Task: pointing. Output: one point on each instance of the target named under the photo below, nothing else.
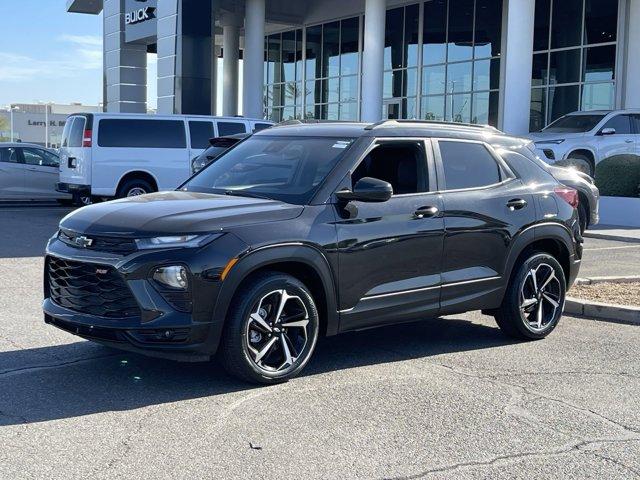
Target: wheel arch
(552, 238)
(587, 152)
(138, 174)
(304, 262)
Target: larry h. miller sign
(140, 21)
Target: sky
(49, 55)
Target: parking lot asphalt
(444, 398)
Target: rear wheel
(134, 187)
(534, 300)
(271, 330)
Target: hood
(537, 136)
(176, 213)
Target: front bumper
(160, 330)
(73, 188)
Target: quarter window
(142, 134)
(402, 164)
(230, 128)
(468, 165)
(621, 124)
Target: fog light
(174, 276)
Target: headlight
(550, 142)
(177, 241)
(173, 276)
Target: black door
(485, 205)
(390, 253)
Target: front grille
(119, 245)
(89, 288)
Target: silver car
(29, 172)
(582, 139)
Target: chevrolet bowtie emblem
(83, 241)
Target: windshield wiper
(244, 193)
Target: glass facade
(441, 62)
(574, 60)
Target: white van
(123, 155)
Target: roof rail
(307, 121)
(432, 122)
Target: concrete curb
(603, 311)
(595, 280)
(607, 236)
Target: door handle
(516, 204)
(628, 141)
(71, 162)
(426, 212)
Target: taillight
(569, 195)
(86, 138)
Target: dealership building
(515, 64)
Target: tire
(583, 217)
(580, 162)
(244, 338)
(520, 323)
(80, 200)
(134, 188)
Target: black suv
(308, 230)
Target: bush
(619, 176)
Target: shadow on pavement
(107, 380)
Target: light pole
(11, 110)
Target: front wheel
(271, 330)
(534, 300)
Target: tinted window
(200, 133)
(142, 133)
(39, 158)
(399, 163)
(261, 126)
(9, 155)
(230, 128)
(574, 124)
(282, 168)
(636, 120)
(621, 123)
(76, 132)
(468, 165)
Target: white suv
(583, 139)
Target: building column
(125, 65)
(631, 92)
(253, 60)
(517, 48)
(373, 60)
(184, 57)
(230, 65)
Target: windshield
(289, 169)
(574, 124)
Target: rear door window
(200, 133)
(468, 165)
(76, 132)
(134, 133)
(39, 157)
(231, 128)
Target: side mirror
(608, 131)
(367, 189)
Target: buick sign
(140, 15)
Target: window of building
(468, 165)
(462, 42)
(402, 164)
(142, 133)
(574, 61)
